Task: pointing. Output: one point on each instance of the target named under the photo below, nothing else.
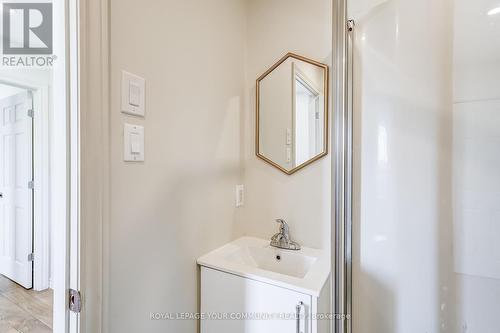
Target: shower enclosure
(421, 210)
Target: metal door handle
(298, 309)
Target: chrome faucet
(282, 238)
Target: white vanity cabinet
(234, 304)
(249, 286)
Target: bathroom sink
(272, 259)
(304, 270)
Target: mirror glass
(292, 113)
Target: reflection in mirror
(292, 117)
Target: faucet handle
(283, 226)
(282, 238)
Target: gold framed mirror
(291, 127)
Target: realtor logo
(27, 28)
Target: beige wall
(302, 199)
(179, 203)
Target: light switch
(133, 94)
(133, 143)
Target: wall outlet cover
(240, 195)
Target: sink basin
(273, 259)
(305, 270)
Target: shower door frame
(342, 182)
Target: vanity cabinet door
(233, 304)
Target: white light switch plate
(133, 143)
(133, 94)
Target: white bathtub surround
(476, 165)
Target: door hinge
(31, 257)
(31, 184)
(31, 113)
(75, 301)
(350, 25)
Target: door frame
(70, 269)
(93, 83)
(66, 190)
(41, 196)
(342, 169)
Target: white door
(16, 193)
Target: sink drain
(278, 257)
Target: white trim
(73, 51)
(41, 157)
(41, 177)
(94, 162)
(61, 166)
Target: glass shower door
(426, 194)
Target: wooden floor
(24, 311)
